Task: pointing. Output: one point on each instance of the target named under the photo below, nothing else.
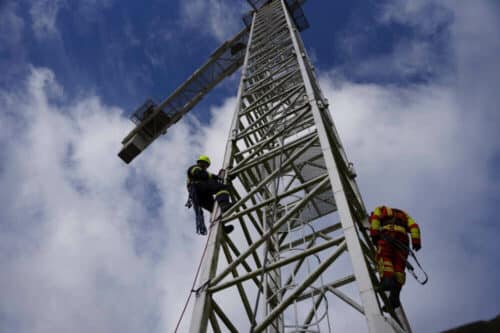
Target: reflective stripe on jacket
(386, 218)
(195, 173)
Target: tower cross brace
(300, 258)
(298, 209)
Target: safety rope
(193, 290)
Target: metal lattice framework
(299, 257)
(298, 212)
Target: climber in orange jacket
(389, 229)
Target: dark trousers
(206, 190)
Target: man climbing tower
(202, 186)
(389, 228)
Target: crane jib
(153, 120)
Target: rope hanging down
(193, 289)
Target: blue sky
(89, 244)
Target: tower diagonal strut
(299, 259)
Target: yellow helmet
(204, 158)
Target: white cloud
(71, 241)
(427, 15)
(419, 50)
(89, 244)
(410, 152)
(11, 27)
(132, 38)
(158, 43)
(428, 148)
(83, 247)
(44, 17)
(407, 59)
(220, 19)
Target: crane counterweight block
(151, 122)
(133, 148)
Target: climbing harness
(201, 229)
(422, 280)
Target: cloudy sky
(88, 244)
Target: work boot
(228, 228)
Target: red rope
(195, 277)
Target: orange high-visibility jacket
(393, 219)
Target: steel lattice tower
(300, 243)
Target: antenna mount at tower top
(294, 7)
